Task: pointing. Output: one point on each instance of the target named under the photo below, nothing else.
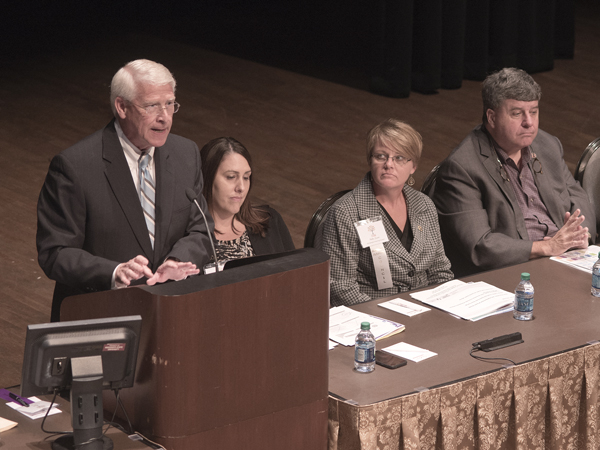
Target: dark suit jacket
(353, 279)
(481, 223)
(90, 218)
(276, 240)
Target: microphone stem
(209, 236)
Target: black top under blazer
(276, 240)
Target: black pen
(18, 399)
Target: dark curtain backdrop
(425, 45)
(388, 46)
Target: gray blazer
(481, 223)
(90, 218)
(352, 278)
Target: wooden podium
(231, 360)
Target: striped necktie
(147, 194)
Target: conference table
(550, 399)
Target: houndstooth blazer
(352, 278)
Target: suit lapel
(418, 224)
(365, 199)
(368, 207)
(119, 177)
(165, 190)
(545, 191)
(489, 159)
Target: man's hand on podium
(173, 270)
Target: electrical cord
(134, 435)
(109, 425)
(120, 403)
(54, 433)
(140, 437)
(487, 359)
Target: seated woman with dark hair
(383, 237)
(242, 230)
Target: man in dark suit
(113, 210)
(505, 194)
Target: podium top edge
(246, 270)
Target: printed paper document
(470, 301)
(582, 259)
(403, 307)
(344, 325)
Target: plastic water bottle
(524, 299)
(596, 278)
(364, 349)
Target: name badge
(371, 233)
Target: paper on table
(440, 291)
(6, 424)
(36, 410)
(471, 301)
(344, 325)
(582, 259)
(404, 307)
(408, 351)
(332, 344)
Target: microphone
(191, 195)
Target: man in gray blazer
(94, 231)
(505, 194)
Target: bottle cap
(365, 326)
(525, 276)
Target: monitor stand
(87, 416)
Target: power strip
(499, 342)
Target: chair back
(314, 231)
(587, 173)
(429, 183)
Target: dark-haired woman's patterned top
(235, 249)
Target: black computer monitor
(84, 357)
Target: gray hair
(508, 83)
(124, 83)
